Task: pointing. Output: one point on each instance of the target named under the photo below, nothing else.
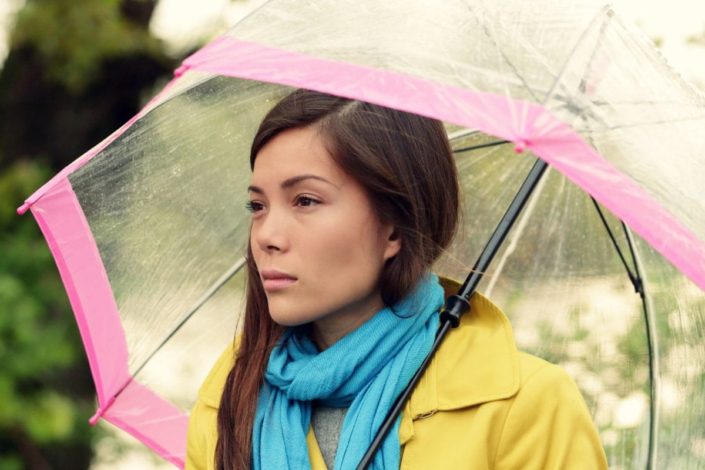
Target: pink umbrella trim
(152, 420)
(121, 400)
(71, 242)
(529, 125)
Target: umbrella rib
(511, 65)
(481, 146)
(460, 133)
(606, 10)
(636, 282)
(652, 348)
(650, 123)
(215, 287)
(603, 28)
(636, 278)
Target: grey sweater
(326, 424)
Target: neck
(328, 330)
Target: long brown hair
(405, 164)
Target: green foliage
(39, 346)
(10, 463)
(77, 69)
(74, 37)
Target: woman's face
(317, 242)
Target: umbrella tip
(23, 208)
(520, 146)
(98, 414)
(181, 70)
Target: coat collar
(477, 362)
(212, 388)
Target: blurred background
(72, 71)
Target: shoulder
(212, 387)
(547, 424)
(544, 387)
(203, 431)
(477, 362)
(523, 411)
(480, 363)
(539, 373)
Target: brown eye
(306, 201)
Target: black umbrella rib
(636, 280)
(652, 350)
(480, 146)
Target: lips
(273, 280)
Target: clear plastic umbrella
(603, 272)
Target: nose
(269, 232)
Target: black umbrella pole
(457, 305)
(401, 400)
(503, 228)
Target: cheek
(338, 258)
(348, 249)
(254, 249)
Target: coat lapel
(478, 362)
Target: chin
(288, 317)
(284, 321)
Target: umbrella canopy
(149, 228)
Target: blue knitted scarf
(365, 371)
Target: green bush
(45, 388)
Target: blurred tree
(45, 389)
(77, 70)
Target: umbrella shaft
(401, 400)
(503, 228)
(457, 305)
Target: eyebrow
(289, 182)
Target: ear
(392, 242)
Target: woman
(351, 204)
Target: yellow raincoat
(480, 405)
